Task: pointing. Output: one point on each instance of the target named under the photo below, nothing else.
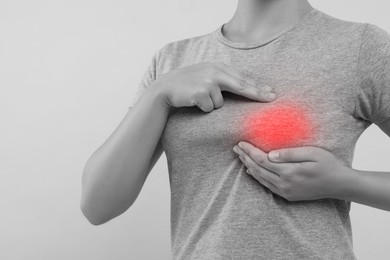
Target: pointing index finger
(256, 92)
(242, 83)
(245, 85)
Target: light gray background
(68, 70)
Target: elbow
(92, 218)
(88, 207)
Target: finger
(260, 157)
(240, 83)
(205, 104)
(216, 97)
(259, 171)
(295, 154)
(264, 182)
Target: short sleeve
(148, 77)
(373, 75)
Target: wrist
(155, 92)
(348, 184)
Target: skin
(309, 173)
(257, 20)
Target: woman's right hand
(201, 85)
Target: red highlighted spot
(278, 126)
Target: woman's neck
(259, 19)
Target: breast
(279, 125)
(268, 126)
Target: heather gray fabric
(339, 71)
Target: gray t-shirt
(337, 72)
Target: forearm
(114, 175)
(367, 187)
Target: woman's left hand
(299, 173)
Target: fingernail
(271, 95)
(235, 149)
(240, 145)
(274, 155)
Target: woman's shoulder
(175, 54)
(186, 44)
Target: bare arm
(370, 188)
(115, 173)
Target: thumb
(295, 154)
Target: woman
(202, 96)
